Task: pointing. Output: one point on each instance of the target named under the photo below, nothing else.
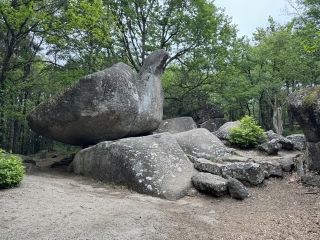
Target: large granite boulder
(107, 105)
(154, 165)
(176, 125)
(201, 143)
(305, 107)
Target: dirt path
(58, 205)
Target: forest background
(46, 45)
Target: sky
(251, 14)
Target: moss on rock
(310, 100)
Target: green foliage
(11, 170)
(248, 134)
(65, 148)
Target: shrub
(248, 134)
(11, 170)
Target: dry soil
(54, 204)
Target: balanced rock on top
(305, 107)
(106, 105)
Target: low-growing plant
(11, 170)
(248, 134)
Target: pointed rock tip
(156, 60)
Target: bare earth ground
(54, 204)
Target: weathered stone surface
(298, 140)
(107, 105)
(209, 112)
(305, 107)
(213, 124)
(313, 156)
(210, 183)
(205, 165)
(201, 143)
(271, 168)
(287, 164)
(285, 142)
(234, 158)
(246, 172)
(300, 164)
(224, 131)
(236, 189)
(271, 147)
(176, 125)
(154, 165)
(311, 179)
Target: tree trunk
(277, 120)
(277, 117)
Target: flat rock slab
(210, 183)
(154, 165)
(246, 172)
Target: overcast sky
(250, 14)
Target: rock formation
(154, 165)
(207, 182)
(201, 143)
(305, 107)
(107, 105)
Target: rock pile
(114, 108)
(158, 165)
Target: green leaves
(248, 134)
(11, 170)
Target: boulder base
(154, 165)
(305, 107)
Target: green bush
(11, 170)
(248, 134)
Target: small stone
(210, 183)
(236, 189)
